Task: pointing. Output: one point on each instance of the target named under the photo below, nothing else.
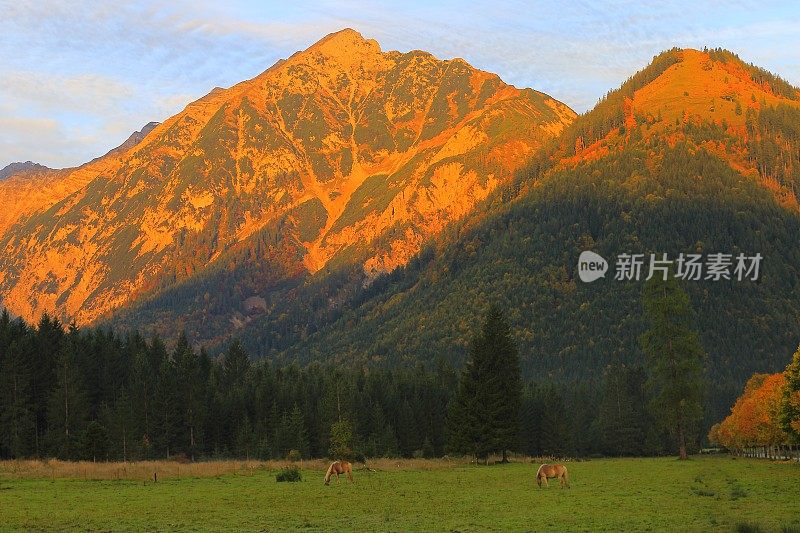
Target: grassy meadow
(710, 493)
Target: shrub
(291, 473)
(294, 455)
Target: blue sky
(78, 77)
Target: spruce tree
(68, 408)
(619, 421)
(675, 359)
(484, 417)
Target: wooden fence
(783, 452)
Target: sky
(76, 78)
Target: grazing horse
(339, 467)
(546, 472)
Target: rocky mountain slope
(340, 155)
(30, 187)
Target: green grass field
(702, 494)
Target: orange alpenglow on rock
(684, 87)
(340, 154)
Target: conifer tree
(675, 359)
(484, 417)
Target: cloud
(36, 139)
(101, 70)
(79, 93)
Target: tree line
(94, 394)
(766, 416)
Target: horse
(546, 472)
(339, 467)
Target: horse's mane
(331, 471)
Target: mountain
(697, 153)
(30, 187)
(16, 168)
(340, 157)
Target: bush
(294, 455)
(291, 473)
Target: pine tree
(675, 356)
(48, 340)
(191, 384)
(408, 439)
(619, 421)
(237, 365)
(120, 421)
(484, 417)
(298, 431)
(165, 409)
(17, 413)
(68, 408)
(381, 441)
(509, 393)
(95, 441)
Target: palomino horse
(546, 472)
(339, 467)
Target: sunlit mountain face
(340, 155)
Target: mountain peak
(354, 156)
(343, 37)
(345, 43)
(15, 168)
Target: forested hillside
(670, 176)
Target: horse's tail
(566, 476)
